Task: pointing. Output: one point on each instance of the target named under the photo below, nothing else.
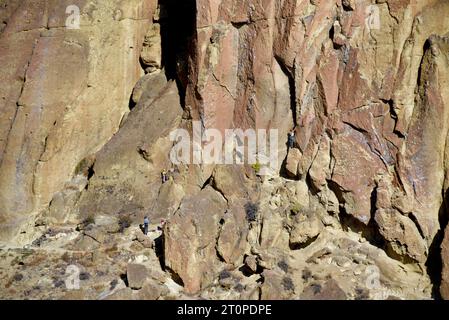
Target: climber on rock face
(291, 139)
(146, 223)
(164, 176)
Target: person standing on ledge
(291, 139)
(146, 223)
(164, 176)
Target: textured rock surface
(190, 239)
(356, 210)
(127, 169)
(64, 93)
(445, 258)
(136, 275)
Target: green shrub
(256, 167)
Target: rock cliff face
(356, 210)
(64, 93)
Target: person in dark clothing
(161, 226)
(146, 223)
(291, 139)
(164, 176)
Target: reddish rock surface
(86, 116)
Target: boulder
(276, 286)
(96, 233)
(144, 240)
(190, 239)
(149, 87)
(293, 157)
(306, 227)
(273, 233)
(168, 200)
(121, 294)
(152, 290)
(251, 263)
(136, 274)
(232, 242)
(319, 171)
(402, 234)
(230, 181)
(330, 290)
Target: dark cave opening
(178, 37)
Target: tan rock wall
(64, 93)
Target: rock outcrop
(355, 210)
(64, 94)
(445, 259)
(190, 239)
